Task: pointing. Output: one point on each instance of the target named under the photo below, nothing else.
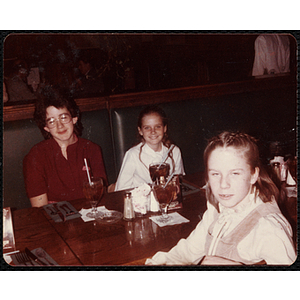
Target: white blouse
(135, 172)
(270, 239)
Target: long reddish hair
(265, 187)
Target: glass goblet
(93, 191)
(157, 169)
(164, 195)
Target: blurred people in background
(89, 83)
(272, 54)
(33, 79)
(16, 85)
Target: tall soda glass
(93, 191)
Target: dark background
(138, 62)
(265, 108)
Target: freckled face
(229, 176)
(153, 131)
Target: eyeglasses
(63, 118)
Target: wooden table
(33, 230)
(79, 243)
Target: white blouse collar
(246, 205)
(150, 151)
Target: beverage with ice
(157, 170)
(93, 192)
(164, 195)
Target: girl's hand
(215, 260)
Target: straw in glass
(87, 171)
(169, 179)
(166, 156)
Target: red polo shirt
(47, 171)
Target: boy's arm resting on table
(188, 251)
(184, 253)
(39, 201)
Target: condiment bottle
(128, 213)
(154, 205)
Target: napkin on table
(175, 218)
(85, 211)
(140, 198)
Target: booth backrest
(193, 122)
(18, 139)
(98, 130)
(124, 131)
(269, 115)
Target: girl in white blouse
(155, 143)
(242, 224)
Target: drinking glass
(156, 170)
(165, 195)
(93, 191)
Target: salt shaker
(154, 205)
(128, 214)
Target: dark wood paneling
(25, 111)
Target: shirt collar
(246, 204)
(150, 151)
(56, 145)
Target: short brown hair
(51, 97)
